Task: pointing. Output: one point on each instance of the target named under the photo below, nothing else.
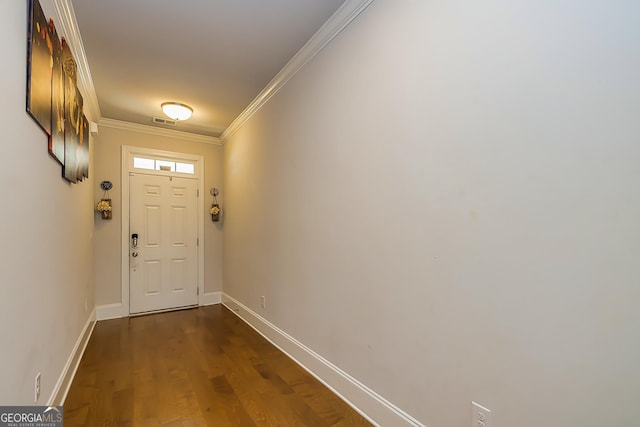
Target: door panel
(152, 277)
(163, 213)
(152, 225)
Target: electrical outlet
(263, 302)
(480, 416)
(37, 387)
(86, 305)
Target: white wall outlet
(263, 302)
(37, 387)
(480, 416)
(86, 305)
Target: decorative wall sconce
(104, 205)
(215, 210)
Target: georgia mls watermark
(31, 416)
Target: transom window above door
(163, 165)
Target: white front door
(163, 268)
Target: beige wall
(46, 238)
(444, 203)
(108, 145)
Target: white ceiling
(214, 55)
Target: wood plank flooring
(198, 367)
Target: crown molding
(349, 10)
(67, 26)
(152, 130)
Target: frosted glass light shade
(176, 110)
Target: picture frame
(83, 163)
(52, 96)
(39, 56)
(56, 137)
(72, 115)
(72, 126)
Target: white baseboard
(367, 402)
(211, 298)
(61, 388)
(110, 311)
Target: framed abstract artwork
(83, 156)
(56, 138)
(39, 55)
(72, 126)
(53, 98)
(72, 115)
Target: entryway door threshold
(164, 310)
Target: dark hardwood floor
(198, 367)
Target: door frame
(128, 152)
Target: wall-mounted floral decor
(105, 209)
(104, 205)
(215, 210)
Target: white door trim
(127, 166)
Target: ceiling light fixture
(176, 110)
